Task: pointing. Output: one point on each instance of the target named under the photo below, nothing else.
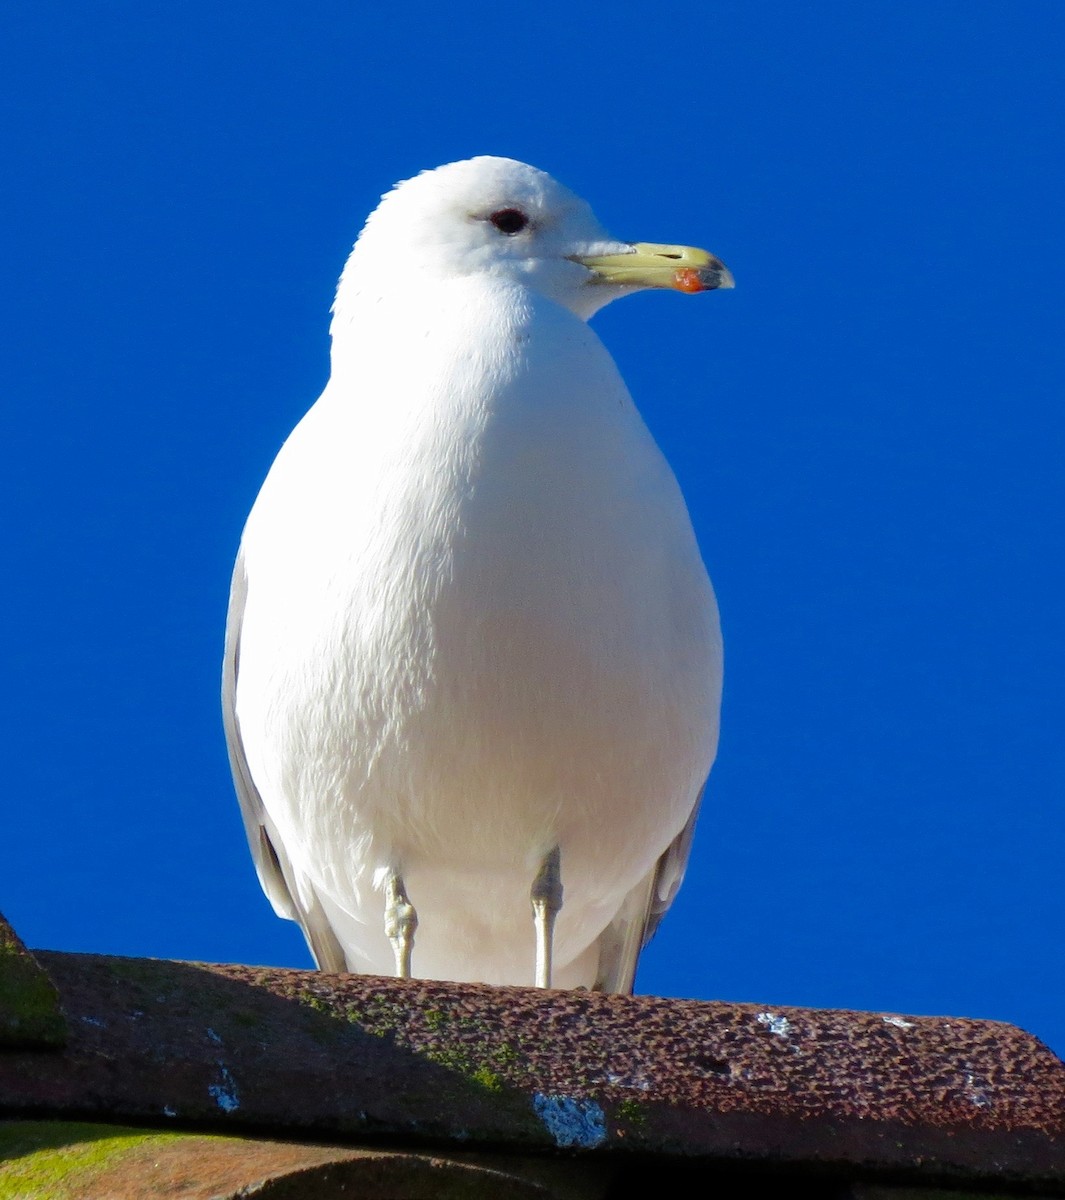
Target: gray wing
(272, 864)
(642, 911)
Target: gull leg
(546, 896)
(400, 923)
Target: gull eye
(509, 221)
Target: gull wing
(642, 911)
(272, 864)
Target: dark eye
(509, 221)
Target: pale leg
(400, 923)
(546, 898)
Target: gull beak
(649, 265)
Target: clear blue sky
(869, 431)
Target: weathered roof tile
(423, 1064)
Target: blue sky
(869, 431)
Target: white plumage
(469, 621)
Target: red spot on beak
(687, 279)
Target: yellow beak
(648, 265)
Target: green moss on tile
(454, 1041)
(56, 1160)
(631, 1113)
(312, 1000)
(29, 1003)
(248, 1020)
(487, 1079)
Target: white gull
(473, 658)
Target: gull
(473, 659)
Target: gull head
(510, 223)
